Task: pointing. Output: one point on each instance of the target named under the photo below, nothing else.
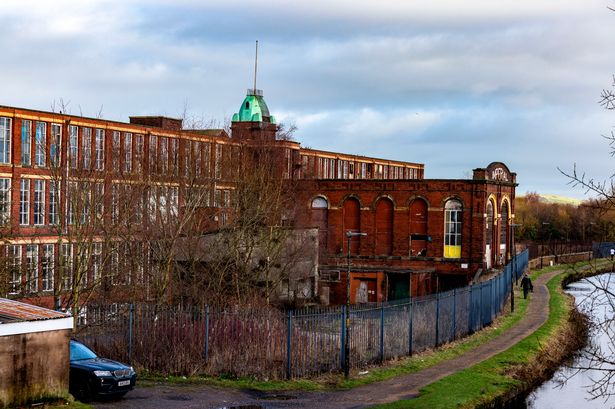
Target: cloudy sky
(455, 85)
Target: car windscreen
(79, 351)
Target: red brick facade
(402, 214)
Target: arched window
(452, 229)
(504, 230)
(489, 223)
(320, 219)
(352, 222)
(384, 227)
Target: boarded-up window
(352, 222)
(418, 228)
(384, 227)
(320, 219)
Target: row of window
(384, 225)
(36, 267)
(39, 201)
(331, 168)
(86, 150)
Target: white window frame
(54, 202)
(32, 268)
(40, 141)
(5, 140)
(47, 267)
(86, 147)
(128, 152)
(13, 252)
(55, 149)
(5, 201)
(24, 202)
(99, 149)
(26, 142)
(39, 202)
(73, 146)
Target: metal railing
(269, 343)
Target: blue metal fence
(269, 343)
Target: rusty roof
(12, 311)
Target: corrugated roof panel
(11, 311)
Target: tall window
(206, 157)
(164, 155)
(47, 267)
(452, 229)
(128, 152)
(504, 231)
(39, 202)
(198, 157)
(173, 153)
(26, 142)
(86, 147)
(41, 144)
(24, 201)
(5, 201)
(72, 193)
(218, 164)
(99, 199)
(100, 149)
(54, 201)
(117, 152)
(139, 153)
(96, 262)
(5, 140)
(73, 146)
(14, 259)
(66, 265)
(54, 149)
(32, 268)
(153, 153)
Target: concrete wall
(33, 367)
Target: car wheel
(83, 391)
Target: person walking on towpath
(526, 284)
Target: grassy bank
(521, 367)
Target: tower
(253, 121)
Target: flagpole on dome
(255, 66)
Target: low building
(34, 353)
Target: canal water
(575, 393)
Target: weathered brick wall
(33, 367)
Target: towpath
(401, 387)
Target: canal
(575, 392)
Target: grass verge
(518, 368)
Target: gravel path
(402, 387)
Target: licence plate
(123, 383)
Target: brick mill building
(421, 234)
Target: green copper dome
(254, 109)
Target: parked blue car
(92, 376)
